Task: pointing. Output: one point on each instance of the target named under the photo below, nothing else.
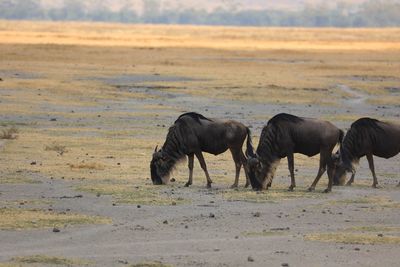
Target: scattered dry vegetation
(60, 149)
(10, 133)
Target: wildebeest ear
(253, 161)
(336, 156)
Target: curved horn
(155, 149)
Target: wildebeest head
(340, 169)
(260, 173)
(159, 167)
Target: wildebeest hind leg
(370, 159)
(291, 170)
(322, 167)
(203, 165)
(190, 166)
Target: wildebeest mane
(367, 123)
(362, 130)
(274, 130)
(174, 145)
(196, 116)
(284, 117)
(268, 147)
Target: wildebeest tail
(341, 136)
(249, 144)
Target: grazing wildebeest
(192, 134)
(366, 137)
(285, 135)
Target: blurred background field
(107, 93)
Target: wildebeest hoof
(327, 190)
(310, 189)
(187, 184)
(376, 186)
(247, 185)
(234, 186)
(291, 188)
(208, 185)
(348, 184)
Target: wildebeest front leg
(203, 165)
(246, 168)
(351, 180)
(370, 159)
(190, 165)
(322, 167)
(238, 164)
(291, 170)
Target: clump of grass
(150, 264)
(88, 165)
(9, 133)
(353, 238)
(128, 194)
(18, 219)
(49, 260)
(57, 148)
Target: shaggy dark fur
(192, 134)
(366, 137)
(285, 135)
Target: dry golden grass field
(84, 104)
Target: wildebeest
(192, 134)
(285, 135)
(366, 137)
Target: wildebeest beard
(345, 160)
(261, 173)
(254, 181)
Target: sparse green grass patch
(49, 260)
(14, 179)
(353, 238)
(374, 201)
(150, 264)
(374, 228)
(87, 165)
(265, 233)
(273, 195)
(129, 194)
(18, 219)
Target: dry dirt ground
(83, 106)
